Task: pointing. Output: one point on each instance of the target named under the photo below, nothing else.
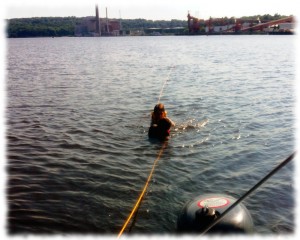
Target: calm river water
(78, 112)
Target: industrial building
(222, 26)
(95, 26)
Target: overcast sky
(148, 9)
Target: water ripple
(78, 154)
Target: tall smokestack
(98, 31)
(107, 27)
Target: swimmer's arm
(172, 123)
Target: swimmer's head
(159, 108)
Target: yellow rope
(152, 170)
(143, 192)
(165, 82)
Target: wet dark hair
(158, 113)
(159, 108)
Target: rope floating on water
(139, 200)
(143, 191)
(165, 82)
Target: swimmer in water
(160, 123)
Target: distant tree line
(65, 26)
(135, 24)
(41, 27)
(265, 17)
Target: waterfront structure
(94, 26)
(235, 25)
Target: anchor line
(137, 204)
(140, 198)
(165, 82)
(160, 94)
